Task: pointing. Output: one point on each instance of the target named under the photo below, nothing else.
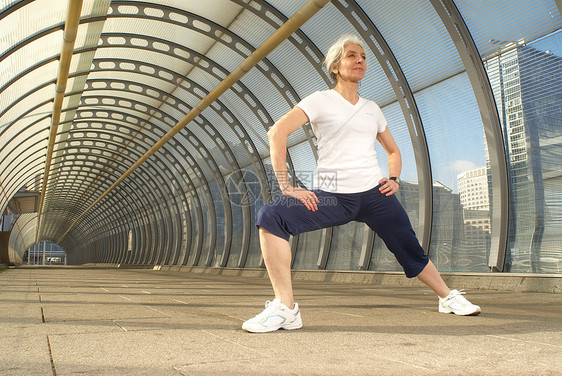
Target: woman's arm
(277, 135)
(385, 138)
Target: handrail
(69, 38)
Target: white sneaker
(456, 303)
(276, 315)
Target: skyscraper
(527, 86)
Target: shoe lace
(457, 295)
(269, 307)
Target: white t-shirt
(346, 134)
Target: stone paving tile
(72, 321)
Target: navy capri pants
(287, 216)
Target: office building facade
(527, 86)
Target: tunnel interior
(471, 92)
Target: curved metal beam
(238, 89)
(197, 169)
(228, 38)
(134, 190)
(105, 143)
(185, 173)
(302, 15)
(149, 142)
(179, 160)
(215, 135)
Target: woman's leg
(431, 277)
(287, 216)
(388, 219)
(277, 222)
(276, 253)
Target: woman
(346, 127)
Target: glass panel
(460, 239)
(527, 85)
(427, 54)
(345, 248)
(254, 252)
(304, 163)
(272, 100)
(255, 127)
(35, 123)
(29, 55)
(5, 4)
(304, 80)
(20, 88)
(220, 239)
(501, 21)
(195, 232)
(306, 257)
(308, 248)
(36, 16)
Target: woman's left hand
(388, 187)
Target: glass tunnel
(90, 91)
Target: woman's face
(352, 65)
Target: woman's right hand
(308, 198)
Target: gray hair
(335, 53)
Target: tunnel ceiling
(138, 67)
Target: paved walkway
(72, 321)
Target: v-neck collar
(337, 93)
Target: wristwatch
(395, 178)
